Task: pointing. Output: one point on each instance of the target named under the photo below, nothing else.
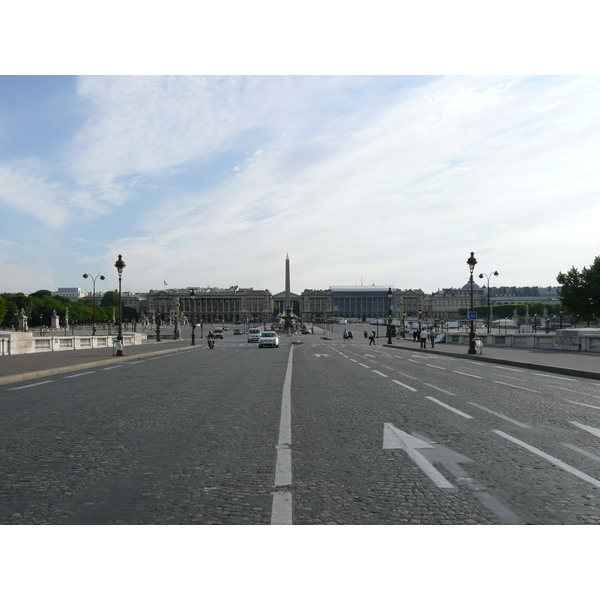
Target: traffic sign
(472, 315)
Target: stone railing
(25, 343)
(575, 340)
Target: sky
(213, 179)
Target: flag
(165, 282)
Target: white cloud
(353, 177)
(24, 191)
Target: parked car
(268, 338)
(218, 333)
(304, 331)
(254, 335)
(225, 328)
(237, 332)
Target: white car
(268, 338)
(254, 335)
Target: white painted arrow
(394, 438)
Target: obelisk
(288, 303)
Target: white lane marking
(439, 389)
(379, 373)
(467, 374)
(281, 511)
(493, 412)
(435, 366)
(370, 355)
(32, 385)
(554, 376)
(584, 452)
(582, 404)
(510, 377)
(388, 368)
(593, 430)
(353, 360)
(412, 389)
(454, 410)
(79, 374)
(573, 391)
(394, 438)
(115, 367)
(409, 376)
(414, 361)
(555, 461)
(365, 366)
(508, 369)
(519, 387)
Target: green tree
(3, 309)
(41, 294)
(580, 292)
(110, 299)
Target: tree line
(40, 306)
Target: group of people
(423, 335)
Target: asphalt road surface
(322, 432)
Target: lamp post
(560, 314)
(157, 327)
(403, 314)
(177, 330)
(471, 261)
(85, 276)
(120, 265)
(389, 327)
(193, 298)
(481, 275)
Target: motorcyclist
(211, 339)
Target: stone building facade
(213, 305)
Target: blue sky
(391, 180)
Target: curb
(8, 379)
(504, 361)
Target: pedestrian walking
(345, 336)
(423, 338)
(350, 336)
(432, 337)
(372, 338)
(416, 335)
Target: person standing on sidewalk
(432, 337)
(372, 338)
(423, 338)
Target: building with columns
(213, 305)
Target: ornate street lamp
(120, 265)
(472, 261)
(481, 275)
(389, 327)
(85, 276)
(193, 298)
(177, 330)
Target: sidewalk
(576, 364)
(21, 367)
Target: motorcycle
(211, 343)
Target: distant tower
(288, 302)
